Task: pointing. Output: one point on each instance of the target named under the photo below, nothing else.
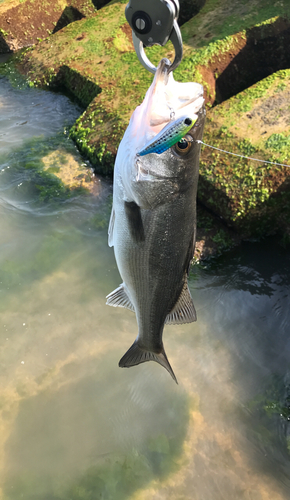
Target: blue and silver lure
(168, 136)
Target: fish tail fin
(136, 355)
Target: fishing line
(241, 156)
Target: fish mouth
(162, 76)
(169, 98)
(162, 72)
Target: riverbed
(76, 426)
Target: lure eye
(183, 146)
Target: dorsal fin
(111, 229)
(120, 298)
(184, 310)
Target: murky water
(75, 426)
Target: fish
(153, 220)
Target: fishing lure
(168, 136)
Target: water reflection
(115, 456)
(74, 425)
(31, 112)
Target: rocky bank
(237, 50)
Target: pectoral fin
(136, 355)
(184, 310)
(135, 222)
(120, 298)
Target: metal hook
(175, 38)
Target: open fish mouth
(167, 105)
(169, 110)
(168, 97)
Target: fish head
(166, 102)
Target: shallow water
(75, 426)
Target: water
(75, 426)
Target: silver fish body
(152, 229)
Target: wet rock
(70, 171)
(213, 237)
(225, 48)
(22, 24)
(252, 197)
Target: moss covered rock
(232, 48)
(253, 197)
(25, 22)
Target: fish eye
(183, 146)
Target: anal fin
(120, 298)
(184, 310)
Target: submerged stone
(70, 171)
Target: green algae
(109, 58)
(204, 56)
(246, 147)
(81, 87)
(97, 119)
(278, 142)
(242, 191)
(9, 70)
(41, 188)
(116, 475)
(244, 101)
(269, 410)
(95, 61)
(222, 240)
(119, 478)
(219, 19)
(39, 18)
(40, 185)
(114, 69)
